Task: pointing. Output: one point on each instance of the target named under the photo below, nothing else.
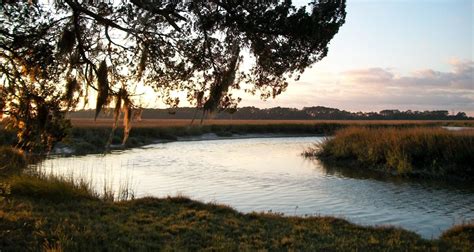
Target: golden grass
(419, 150)
(151, 123)
(11, 161)
(46, 213)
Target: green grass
(44, 212)
(428, 152)
(51, 188)
(86, 140)
(32, 218)
(12, 161)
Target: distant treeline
(281, 113)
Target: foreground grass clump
(40, 212)
(51, 188)
(12, 161)
(419, 151)
(462, 235)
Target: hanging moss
(103, 87)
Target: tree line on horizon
(284, 113)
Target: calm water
(268, 174)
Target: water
(457, 128)
(269, 174)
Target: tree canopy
(52, 54)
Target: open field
(432, 152)
(151, 123)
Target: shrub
(12, 161)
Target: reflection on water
(264, 174)
(457, 128)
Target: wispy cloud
(373, 89)
(461, 77)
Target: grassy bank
(421, 151)
(44, 212)
(157, 123)
(93, 139)
(47, 213)
(89, 136)
(88, 139)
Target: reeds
(413, 151)
(48, 212)
(154, 123)
(12, 161)
(35, 182)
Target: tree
(53, 54)
(461, 115)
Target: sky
(389, 54)
(401, 54)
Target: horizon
(289, 107)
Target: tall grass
(56, 188)
(54, 213)
(88, 139)
(12, 161)
(411, 151)
(89, 136)
(35, 218)
(52, 188)
(154, 123)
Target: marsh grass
(12, 161)
(88, 139)
(52, 188)
(85, 140)
(35, 182)
(419, 151)
(89, 136)
(167, 123)
(462, 234)
(79, 220)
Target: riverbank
(166, 123)
(415, 152)
(89, 137)
(85, 140)
(45, 212)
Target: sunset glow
(393, 55)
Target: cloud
(369, 76)
(461, 77)
(373, 89)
